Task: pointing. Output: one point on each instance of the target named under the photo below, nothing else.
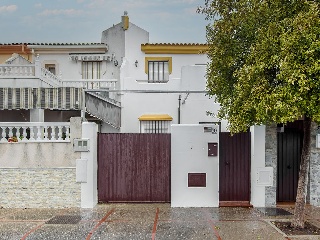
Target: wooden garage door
(134, 167)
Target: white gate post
(258, 135)
(89, 189)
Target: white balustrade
(13, 70)
(34, 132)
(109, 84)
(50, 78)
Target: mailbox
(212, 149)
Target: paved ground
(145, 221)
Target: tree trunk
(298, 219)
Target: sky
(82, 21)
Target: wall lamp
(136, 63)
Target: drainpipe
(179, 108)
(83, 107)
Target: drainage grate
(65, 219)
(274, 211)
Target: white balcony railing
(91, 83)
(34, 132)
(11, 70)
(50, 78)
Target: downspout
(179, 109)
(83, 107)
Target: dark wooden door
(234, 172)
(288, 164)
(134, 167)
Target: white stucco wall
(194, 106)
(135, 36)
(115, 38)
(189, 154)
(72, 70)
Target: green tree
(264, 67)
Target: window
(91, 70)
(155, 126)
(51, 68)
(155, 123)
(158, 69)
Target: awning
(155, 117)
(63, 98)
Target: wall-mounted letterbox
(212, 149)
(81, 145)
(197, 179)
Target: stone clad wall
(36, 188)
(40, 175)
(271, 161)
(314, 181)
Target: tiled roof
(174, 44)
(174, 48)
(53, 44)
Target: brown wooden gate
(289, 153)
(234, 172)
(134, 167)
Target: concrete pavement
(146, 221)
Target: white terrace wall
(40, 174)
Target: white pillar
(89, 189)
(36, 115)
(37, 67)
(258, 134)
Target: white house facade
(125, 84)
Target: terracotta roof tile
(174, 44)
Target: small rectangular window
(155, 126)
(51, 68)
(158, 71)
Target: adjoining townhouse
(6, 51)
(127, 85)
(49, 86)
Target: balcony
(34, 132)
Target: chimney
(125, 21)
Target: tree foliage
(264, 60)
(264, 67)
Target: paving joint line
(211, 222)
(155, 224)
(32, 230)
(99, 223)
